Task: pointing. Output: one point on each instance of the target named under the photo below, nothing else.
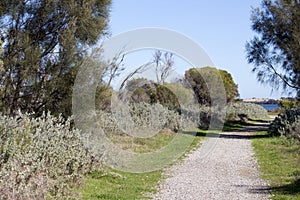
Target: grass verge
(279, 161)
(116, 185)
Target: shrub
(137, 117)
(153, 93)
(144, 117)
(244, 111)
(286, 124)
(201, 115)
(293, 130)
(289, 103)
(41, 157)
(185, 95)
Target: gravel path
(229, 171)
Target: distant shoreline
(265, 100)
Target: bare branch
(140, 69)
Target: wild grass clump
(244, 111)
(41, 158)
(287, 124)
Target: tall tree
(44, 42)
(231, 88)
(199, 86)
(275, 52)
(196, 78)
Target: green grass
(141, 145)
(112, 184)
(115, 185)
(279, 161)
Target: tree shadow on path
(289, 189)
(247, 132)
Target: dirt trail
(229, 171)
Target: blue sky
(221, 28)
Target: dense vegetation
(43, 155)
(275, 55)
(245, 111)
(287, 124)
(205, 83)
(44, 43)
(41, 158)
(274, 52)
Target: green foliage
(103, 97)
(184, 95)
(293, 130)
(230, 87)
(199, 86)
(41, 158)
(201, 115)
(207, 83)
(286, 124)
(289, 104)
(39, 69)
(138, 117)
(133, 84)
(275, 52)
(244, 111)
(154, 93)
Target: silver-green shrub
(204, 117)
(41, 158)
(246, 110)
(286, 124)
(293, 130)
(138, 117)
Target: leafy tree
(44, 41)
(184, 95)
(275, 52)
(198, 85)
(195, 78)
(154, 93)
(231, 88)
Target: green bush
(289, 104)
(286, 124)
(152, 93)
(293, 130)
(201, 115)
(137, 117)
(244, 111)
(144, 117)
(41, 158)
